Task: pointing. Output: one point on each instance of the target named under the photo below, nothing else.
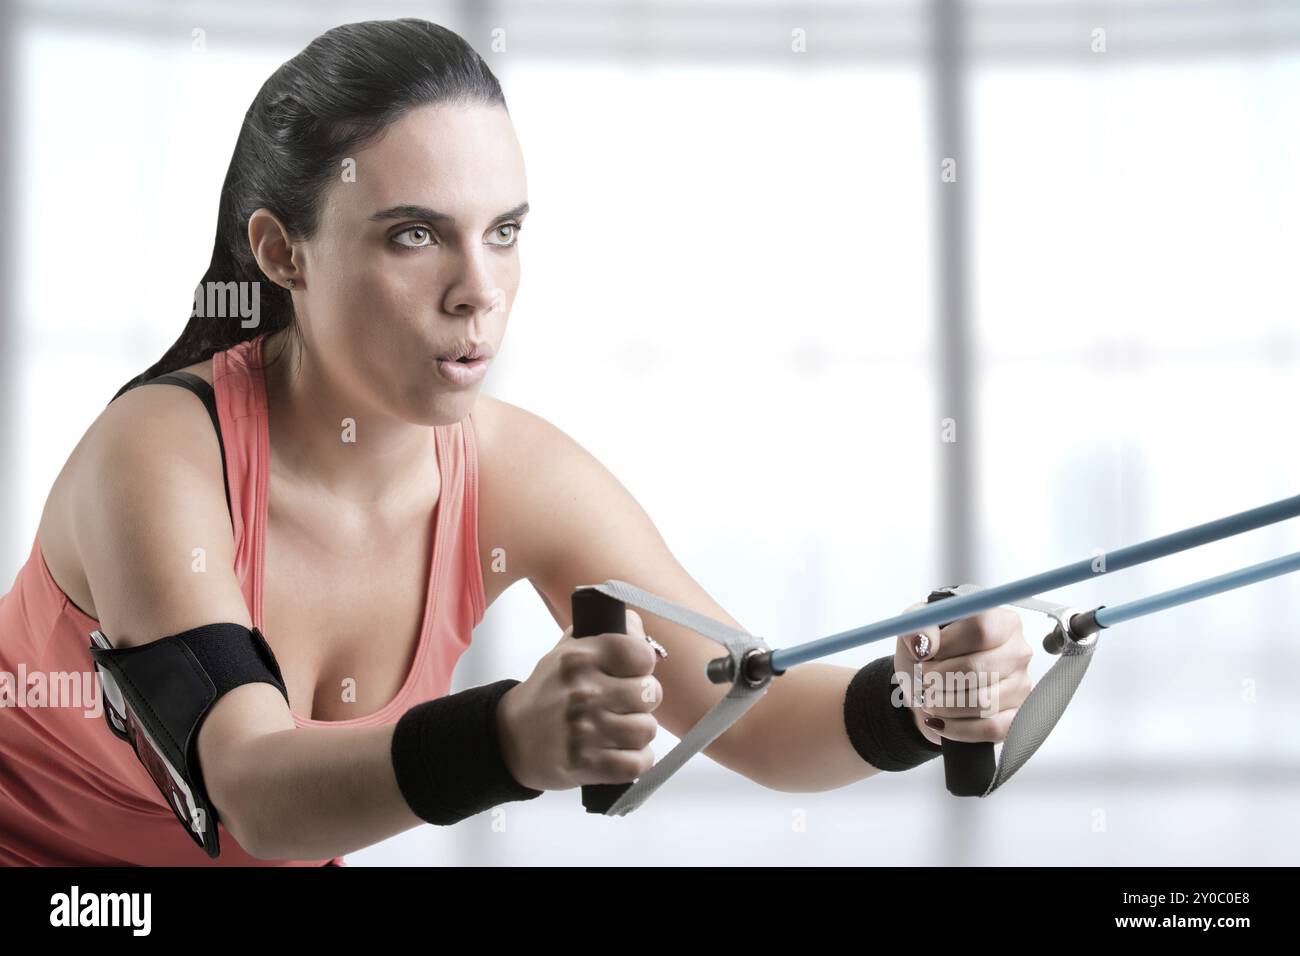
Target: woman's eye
(512, 236)
(418, 232)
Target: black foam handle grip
(595, 612)
(968, 768)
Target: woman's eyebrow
(411, 211)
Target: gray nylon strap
(723, 714)
(1042, 709)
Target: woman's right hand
(584, 715)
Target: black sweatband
(447, 756)
(884, 735)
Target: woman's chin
(442, 406)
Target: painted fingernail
(921, 646)
(935, 722)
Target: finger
(619, 766)
(625, 731)
(913, 693)
(963, 683)
(976, 730)
(922, 644)
(956, 691)
(983, 631)
(632, 695)
(622, 655)
(931, 735)
(1003, 695)
(911, 683)
(984, 667)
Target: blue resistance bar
(966, 605)
(1108, 616)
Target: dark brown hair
(325, 104)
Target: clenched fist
(585, 713)
(967, 681)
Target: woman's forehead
(462, 161)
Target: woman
(360, 504)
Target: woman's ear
(272, 248)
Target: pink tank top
(71, 793)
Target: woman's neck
(326, 441)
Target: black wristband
(447, 756)
(884, 736)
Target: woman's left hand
(974, 675)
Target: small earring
(290, 285)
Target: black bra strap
(206, 394)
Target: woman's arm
(577, 525)
(149, 493)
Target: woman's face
(416, 255)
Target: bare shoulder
(148, 418)
(508, 434)
(527, 455)
(131, 434)
(161, 418)
(537, 483)
(505, 436)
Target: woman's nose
(476, 288)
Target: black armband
(447, 756)
(157, 696)
(884, 735)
